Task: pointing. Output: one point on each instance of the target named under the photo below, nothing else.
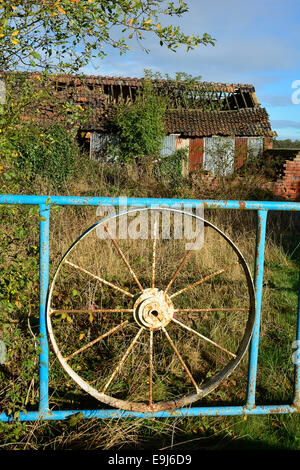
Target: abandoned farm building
(210, 119)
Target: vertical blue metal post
(44, 283)
(258, 281)
(297, 363)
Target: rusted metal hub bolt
(153, 309)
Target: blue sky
(257, 42)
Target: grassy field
(74, 290)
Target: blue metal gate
(250, 407)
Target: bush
(171, 167)
(47, 152)
(140, 126)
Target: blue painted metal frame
(250, 408)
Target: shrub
(140, 126)
(171, 166)
(47, 152)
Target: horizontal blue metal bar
(183, 412)
(116, 201)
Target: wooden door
(196, 153)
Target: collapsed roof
(206, 109)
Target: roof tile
(88, 91)
(195, 123)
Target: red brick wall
(241, 151)
(289, 186)
(268, 143)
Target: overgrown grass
(19, 320)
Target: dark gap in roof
(248, 99)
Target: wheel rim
(151, 311)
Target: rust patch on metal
(153, 309)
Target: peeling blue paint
(45, 202)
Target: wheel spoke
(181, 360)
(110, 332)
(124, 258)
(184, 259)
(154, 255)
(211, 310)
(203, 337)
(98, 310)
(204, 279)
(122, 361)
(151, 367)
(107, 283)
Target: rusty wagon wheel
(141, 331)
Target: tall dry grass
(228, 290)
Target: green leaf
(75, 419)
(36, 55)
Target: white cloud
(282, 123)
(276, 100)
(256, 44)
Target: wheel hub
(153, 309)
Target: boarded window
(219, 155)
(183, 144)
(103, 147)
(255, 147)
(168, 145)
